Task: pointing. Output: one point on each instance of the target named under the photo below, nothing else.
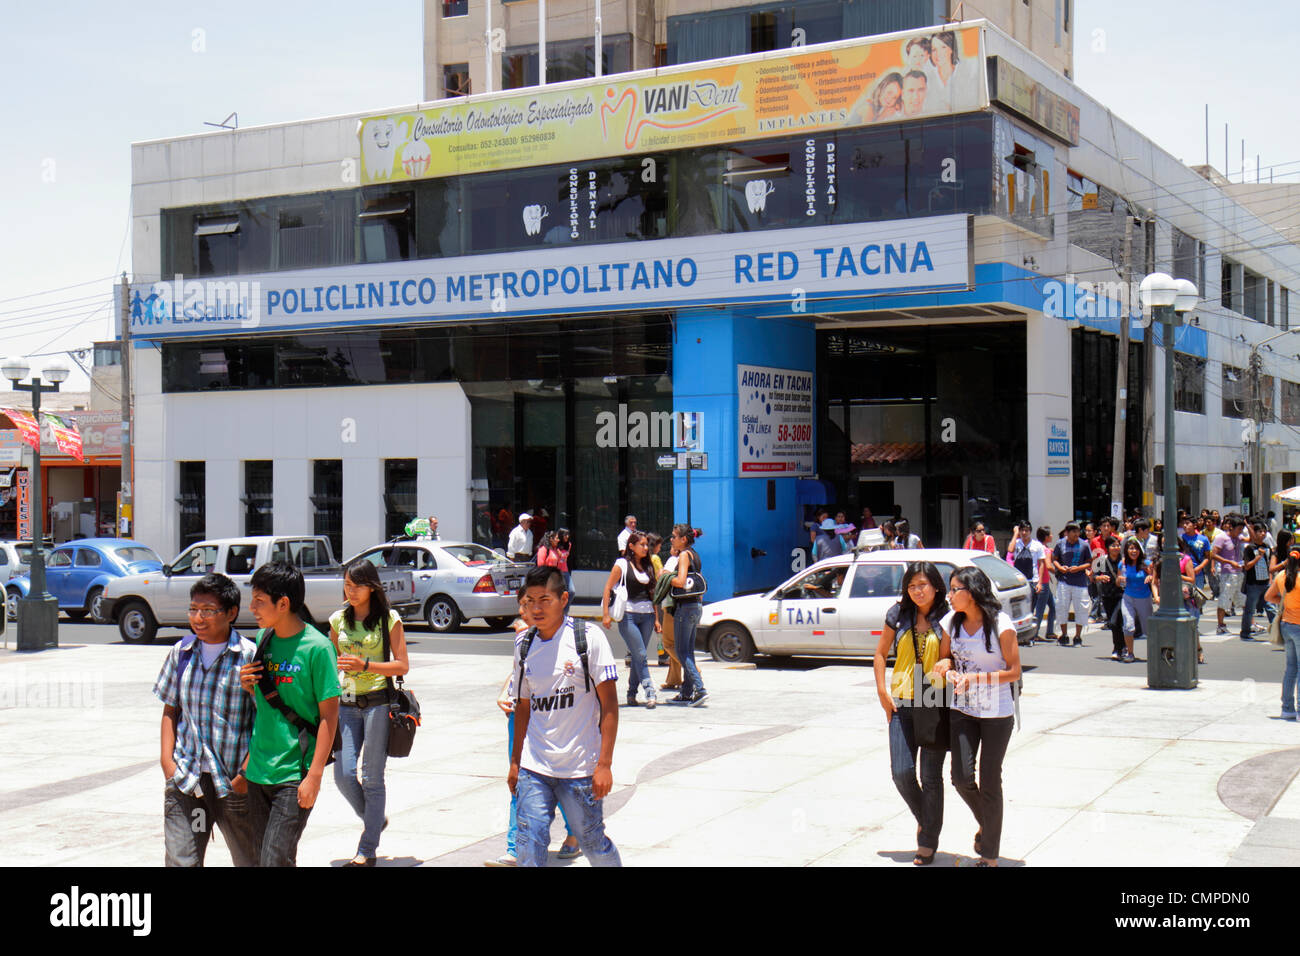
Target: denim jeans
(364, 731)
(638, 630)
(538, 795)
(686, 618)
(989, 737)
(188, 821)
(1045, 602)
(1255, 592)
(1137, 611)
(925, 800)
(1291, 640)
(513, 830)
(278, 822)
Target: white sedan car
(836, 607)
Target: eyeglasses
(979, 530)
(207, 613)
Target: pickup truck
(141, 603)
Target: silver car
(15, 562)
(837, 607)
(455, 581)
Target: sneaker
(679, 699)
(1288, 715)
(1063, 641)
(504, 860)
(1129, 658)
(698, 698)
(1253, 640)
(1078, 642)
(1221, 629)
(1115, 656)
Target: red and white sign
(24, 506)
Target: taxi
(837, 607)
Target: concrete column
(291, 508)
(363, 504)
(1048, 395)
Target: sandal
(979, 850)
(921, 859)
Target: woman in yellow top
(913, 622)
(357, 630)
(1284, 590)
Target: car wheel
(12, 597)
(442, 614)
(499, 623)
(95, 605)
(730, 644)
(136, 624)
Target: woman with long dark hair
(1141, 589)
(981, 658)
(1283, 592)
(686, 614)
(357, 631)
(634, 572)
(911, 634)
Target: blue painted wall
(732, 511)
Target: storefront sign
(25, 426)
(1058, 447)
(779, 266)
(101, 437)
(1013, 88)
(829, 87)
(24, 506)
(776, 421)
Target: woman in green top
(357, 631)
(912, 623)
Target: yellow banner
(830, 87)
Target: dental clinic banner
(793, 266)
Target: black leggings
(988, 737)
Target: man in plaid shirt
(207, 723)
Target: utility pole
(1257, 430)
(1119, 446)
(1148, 468)
(126, 514)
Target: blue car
(76, 572)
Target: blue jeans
(1045, 602)
(686, 618)
(638, 630)
(1291, 639)
(364, 731)
(188, 822)
(926, 799)
(513, 830)
(1254, 601)
(538, 795)
(278, 822)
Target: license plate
(512, 584)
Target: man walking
(566, 721)
(520, 546)
(206, 727)
(1072, 559)
(629, 525)
(1225, 554)
(1255, 561)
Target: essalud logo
(193, 301)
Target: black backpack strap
(580, 642)
(525, 643)
(271, 694)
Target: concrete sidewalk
(782, 767)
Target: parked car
(78, 572)
(142, 603)
(15, 561)
(454, 581)
(836, 608)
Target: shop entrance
(928, 423)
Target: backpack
(579, 641)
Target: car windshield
(130, 555)
(474, 555)
(1003, 575)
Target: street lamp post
(38, 613)
(1171, 631)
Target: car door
(240, 563)
(57, 571)
(86, 566)
(872, 590)
(802, 615)
(171, 601)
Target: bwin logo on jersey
(555, 701)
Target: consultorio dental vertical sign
(776, 421)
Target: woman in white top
(980, 657)
(638, 626)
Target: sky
(81, 81)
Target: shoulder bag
(696, 585)
(307, 730)
(403, 711)
(929, 704)
(618, 597)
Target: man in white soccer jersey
(566, 720)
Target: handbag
(403, 712)
(618, 597)
(929, 720)
(696, 585)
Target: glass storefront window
(399, 495)
(258, 497)
(192, 501)
(327, 502)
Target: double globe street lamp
(38, 613)
(1171, 631)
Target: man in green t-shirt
(285, 760)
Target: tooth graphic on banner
(378, 144)
(756, 192)
(533, 216)
(416, 157)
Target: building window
(1189, 383)
(1290, 403)
(1185, 258)
(387, 228)
(455, 8)
(1284, 309)
(327, 502)
(565, 60)
(399, 495)
(1225, 284)
(1236, 393)
(192, 501)
(257, 497)
(1253, 304)
(110, 353)
(301, 240)
(455, 79)
(216, 246)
